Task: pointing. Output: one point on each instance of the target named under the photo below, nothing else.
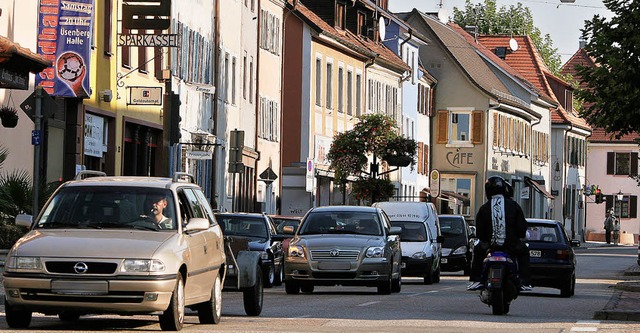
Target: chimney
(582, 43)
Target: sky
(562, 21)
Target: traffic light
(599, 196)
(174, 116)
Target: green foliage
(9, 234)
(373, 134)
(513, 20)
(380, 188)
(613, 88)
(3, 155)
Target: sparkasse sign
(149, 40)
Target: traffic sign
(49, 105)
(36, 137)
(435, 183)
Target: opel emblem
(334, 252)
(80, 268)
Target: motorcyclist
(500, 223)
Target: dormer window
(341, 10)
(362, 24)
(501, 52)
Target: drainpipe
(564, 181)
(216, 149)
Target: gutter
(402, 55)
(216, 148)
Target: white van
(420, 239)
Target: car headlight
(460, 250)
(142, 265)
(24, 263)
(296, 251)
(375, 252)
(419, 255)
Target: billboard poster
(64, 37)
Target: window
(350, 93)
(340, 15)
(329, 85)
(107, 17)
(251, 78)
(244, 76)
(362, 24)
(625, 208)
(142, 56)
(622, 163)
(233, 80)
(340, 89)
(358, 94)
(318, 82)
(460, 126)
(226, 77)
(269, 32)
(126, 52)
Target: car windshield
(101, 207)
(250, 227)
(542, 233)
(453, 230)
(363, 223)
(287, 223)
(411, 231)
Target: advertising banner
(64, 37)
(94, 143)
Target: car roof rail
(82, 174)
(179, 176)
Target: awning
(538, 187)
(15, 64)
(455, 195)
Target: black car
(457, 247)
(553, 262)
(261, 234)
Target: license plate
(535, 253)
(443, 260)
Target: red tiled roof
(14, 55)
(363, 45)
(528, 61)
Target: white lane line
(305, 316)
(424, 293)
(584, 329)
(588, 322)
(369, 303)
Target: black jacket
(515, 223)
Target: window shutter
(425, 159)
(495, 129)
(633, 207)
(443, 126)
(611, 156)
(608, 199)
(420, 157)
(432, 103)
(634, 164)
(477, 127)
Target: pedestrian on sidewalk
(616, 231)
(608, 225)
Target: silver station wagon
(123, 245)
(344, 245)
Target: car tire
(428, 277)
(436, 276)
(292, 288)
(269, 276)
(569, 287)
(396, 285)
(210, 311)
(172, 319)
(254, 296)
(279, 276)
(307, 288)
(467, 269)
(16, 318)
(69, 316)
(384, 287)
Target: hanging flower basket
(9, 116)
(398, 160)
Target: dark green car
(344, 245)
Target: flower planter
(399, 161)
(9, 122)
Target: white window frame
(460, 143)
(318, 69)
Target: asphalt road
(441, 307)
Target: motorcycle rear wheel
(498, 303)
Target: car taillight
(563, 254)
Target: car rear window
(242, 226)
(542, 233)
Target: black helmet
(495, 185)
(509, 191)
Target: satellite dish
(443, 15)
(513, 44)
(382, 28)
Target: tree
(612, 87)
(515, 20)
(376, 135)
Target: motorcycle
(502, 284)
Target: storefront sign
(435, 183)
(145, 96)
(199, 155)
(145, 40)
(524, 193)
(322, 146)
(64, 37)
(457, 158)
(13, 80)
(93, 135)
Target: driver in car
(156, 203)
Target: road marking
(588, 322)
(418, 294)
(584, 329)
(305, 316)
(369, 303)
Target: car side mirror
(395, 231)
(288, 230)
(24, 220)
(575, 243)
(440, 239)
(197, 224)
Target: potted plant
(400, 151)
(9, 116)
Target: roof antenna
(513, 43)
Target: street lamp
(619, 196)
